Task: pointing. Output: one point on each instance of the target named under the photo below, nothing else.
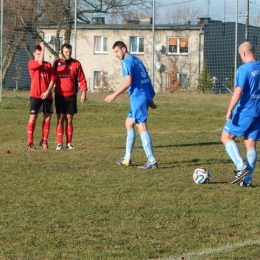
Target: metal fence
(182, 43)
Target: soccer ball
(201, 175)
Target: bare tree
(181, 15)
(173, 82)
(62, 15)
(25, 19)
(14, 34)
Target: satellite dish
(158, 47)
(47, 38)
(158, 65)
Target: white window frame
(178, 47)
(100, 44)
(138, 45)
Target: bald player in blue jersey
(243, 116)
(141, 93)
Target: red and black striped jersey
(41, 76)
(68, 74)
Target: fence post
(1, 50)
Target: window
(101, 80)
(136, 44)
(100, 44)
(183, 79)
(178, 45)
(97, 75)
(56, 44)
(176, 81)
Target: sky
(225, 10)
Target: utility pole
(247, 20)
(1, 50)
(208, 8)
(153, 32)
(236, 33)
(75, 29)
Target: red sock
(69, 133)
(30, 131)
(45, 130)
(59, 133)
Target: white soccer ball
(201, 175)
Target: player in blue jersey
(141, 92)
(243, 116)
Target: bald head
(246, 51)
(246, 47)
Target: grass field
(80, 205)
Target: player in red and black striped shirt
(68, 74)
(42, 82)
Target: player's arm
(235, 98)
(125, 85)
(41, 57)
(83, 83)
(33, 65)
(45, 94)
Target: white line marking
(213, 251)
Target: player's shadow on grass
(177, 145)
(218, 182)
(195, 162)
(233, 185)
(188, 144)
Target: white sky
(224, 10)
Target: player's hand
(228, 116)
(44, 95)
(83, 97)
(42, 45)
(109, 98)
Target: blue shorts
(139, 109)
(243, 126)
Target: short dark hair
(37, 48)
(119, 44)
(65, 45)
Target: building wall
(188, 64)
(210, 43)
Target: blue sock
(148, 146)
(130, 142)
(235, 155)
(251, 159)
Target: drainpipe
(199, 51)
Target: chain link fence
(186, 45)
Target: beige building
(169, 52)
(173, 54)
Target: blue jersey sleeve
(241, 77)
(127, 68)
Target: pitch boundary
(213, 251)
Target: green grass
(80, 205)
